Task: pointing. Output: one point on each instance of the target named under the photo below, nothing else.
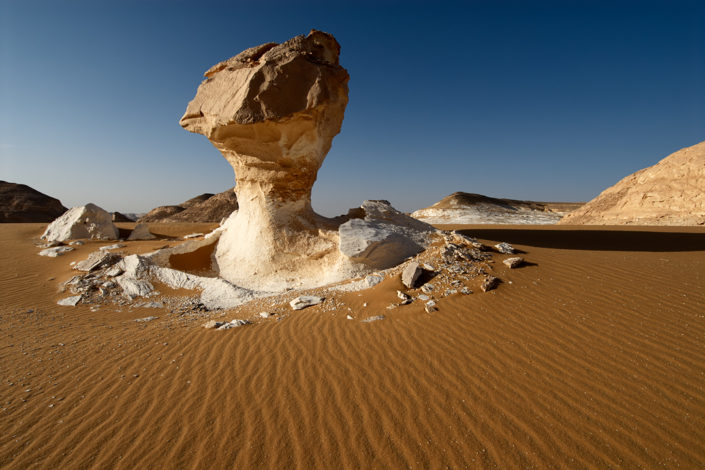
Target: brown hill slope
(203, 208)
(672, 192)
(20, 203)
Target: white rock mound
(89, 221)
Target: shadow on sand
(597, 240)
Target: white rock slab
(56, 251)
(304, 301)
(70, 301)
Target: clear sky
(532, 100)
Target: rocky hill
(672, 192)
(20, 203)
(468, 208)
(206, 207)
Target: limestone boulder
(384, 238)
(141, 232)
(89, 221)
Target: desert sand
(592, 355)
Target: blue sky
(531, 100)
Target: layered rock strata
(272, 111)
(20, 203)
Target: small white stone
(56, 251)
(304, 301)
(69, 301)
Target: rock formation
(672, 192)
(206, 207)
(272, 111)
(20, 203)
(89, 221)
(120, 217)
(468, 208)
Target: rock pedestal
(272, 111)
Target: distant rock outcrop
(468, 208)
(203, 208)
(120, 217)
(20, 203)
(672, 192)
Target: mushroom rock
(272, 111)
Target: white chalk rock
(55, 251)
(133, 287)
(411, 274)
(505, 248)
(304, 301)
(141, 232)
(384, 238)
(89, 221)
(234, 324)
(69, 301)
(96, 260)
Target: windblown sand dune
(591, 356)
(672, 192)
(468, 208)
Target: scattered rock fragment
(349, 317)
(112, 247)
(402, 295)
(371, 319)
(427, 288)
(514, 262)
(192, 235)
(233, 324)
(266, 314)
(212, 324)
(145, 319)
(411, 274)
(96, 260)
(304, 301)
(70, 301)
(504, 248)
(133, 287)
(489, 283)
(56, 251)
(423, 297)
(430, 306)
(76, 243)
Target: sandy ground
(592, 356)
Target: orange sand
(592, 356)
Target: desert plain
(591, 355)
